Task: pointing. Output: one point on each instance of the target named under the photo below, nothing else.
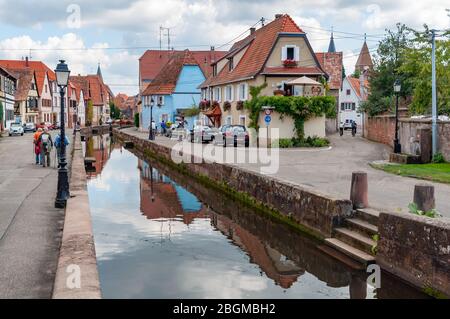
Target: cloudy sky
(115, 33)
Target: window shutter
(283, 53)
(297, 53)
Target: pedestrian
(163, 127)
(58, 145)
(37, 148)
(46, 144)
(354, 128)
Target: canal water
(160, 235)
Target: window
(228, 120)
(348, 92)
(229, 93)
(217, 95)
(353, 106)
(230, 64)
(242, 120)
(160, 100)
(243, 92)
(290, 52)
(46, 88)
(348, 106)
(214, 69)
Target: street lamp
(151, 133)
(62, 79)
(397, 89)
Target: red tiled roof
(24, 77)
(93, 88)
(37, 66)
(364, 58)
(259, 46)
(332, 64)
(151, 63)
(356, 84)
(166, 80)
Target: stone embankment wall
(416, 249)
(316, 212)
(77, 254)
(382, 129)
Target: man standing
(46, 145)
(37, 146)
(58, 145)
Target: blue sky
(115, 32)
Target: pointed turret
(364, 60)
(99, 72)
(332, 47)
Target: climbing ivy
(300, 108)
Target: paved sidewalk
(329, 171)
(30, 226)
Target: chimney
(26, 62)
(277, 16)
(252, 30)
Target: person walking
(37, 146)
(58, 145)
(354, 128)
(163, 127)
(46, 145)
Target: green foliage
(1, 111)
(390, 57)
(300, 108)
(438, 158)
(115, 111)
(89, 113)
(192, 111)
(417, 66)
(413, 209)
(136, 119)
(297, 142)
(374, 248)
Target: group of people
(43, 144)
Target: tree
(417, 65)
(390, 57)
(136, 119)
(89, 113)
(115, 111)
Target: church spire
(364, 60)
(99, 72)
(332, 47)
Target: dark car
(232, 135)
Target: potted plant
(204, 105)
(289, 63)
(215, 104)
(240, 105)
(226, 106)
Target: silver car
(202, 134)
(232, 135)
(16, 129)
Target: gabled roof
(332, 64)
(166, 80)
(7, 72)
(259, 46)
(152, 61)
(332, 46)
(38, 67)
(24, 79)
(355, 83)
(93, 88)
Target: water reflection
(159, 235)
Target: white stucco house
(350, 98)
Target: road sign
(268, 111)
(268, 119)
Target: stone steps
(368, 214)
(352, 263)
(350, 251)
(361, 226)
(355, 239)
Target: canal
(159, 235)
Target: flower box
(289, 63)
(226, 106)
(240, 105)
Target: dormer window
(290, 53)
(215, 70)
(230, 64)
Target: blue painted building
(174, 89)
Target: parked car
(29, 127)
(347, 125)
(16, 129)
(232, 135)
(202, 133)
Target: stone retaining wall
(77, 248)
(316, 212)
(416, 249)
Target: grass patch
(431, 172)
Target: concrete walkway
(30, 226)
(329, 171)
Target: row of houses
(276, 54)
(29, 94)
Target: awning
(214, 115)
(304, 80)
